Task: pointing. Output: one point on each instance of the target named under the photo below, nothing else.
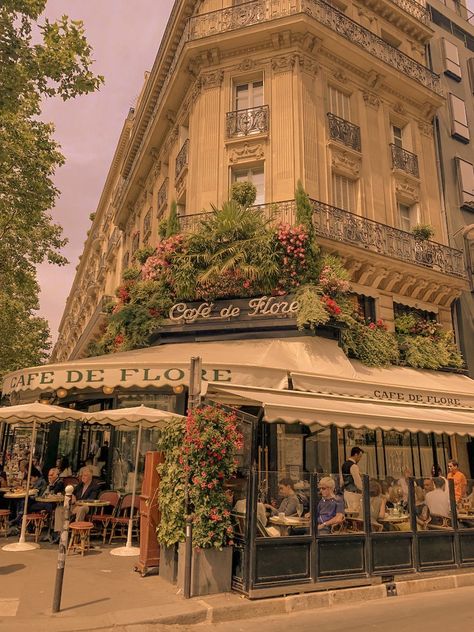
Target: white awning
(315, 409)
(393, 384)
(260, 362)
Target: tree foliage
(37, 60)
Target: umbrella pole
(22, 545)
(128, 549)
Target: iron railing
(162, 197)
(338, 225)
(404, 160)
(182, 159)
(248, 121)
(343, 131)
(260, 11)
(415, 9)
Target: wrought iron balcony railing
(334, 223)
(342, 226)
(248, 121)
(415, 9)
(162, 197)
(182, 159)
(261, 11)
(404, 160)
(343, 131)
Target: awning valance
(393, 384)
(262, 362)
(316, 409)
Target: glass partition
(465, 507)
(433, 504)
(283, 505)
(237, 492)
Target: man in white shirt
(437, 501)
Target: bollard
(58, 586)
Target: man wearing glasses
(330, 511)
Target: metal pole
(134, 488)
(58, 586)
(28, 478)
(194, 400)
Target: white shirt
(437, 502)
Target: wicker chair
(119, 523)
(102, 520)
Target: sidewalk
(102, 591)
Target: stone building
(451, 52)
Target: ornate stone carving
(345, 163)
(246, 64)
(426, 129)
(284, 63)
(374, 79)
(340, 76)
(308, 65)
(406, 190)
(399, 108)
(210, 80)
(371, 100)
(254, 151)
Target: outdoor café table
(92, 504)
(395, 519)
(284, 523)
(466, 517)
(15, 495)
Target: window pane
(257, 96)
(241, 97)
(339, 103)
(466, 181)
(405, 217)
(397, 136)
(344, 193)
(451, 59)
(458, 118)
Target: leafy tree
(244, 193)
(37, 60)
(172, 225)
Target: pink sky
(125, 35)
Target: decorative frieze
(345, 162)
(284, 63)
(407, 191)
(210, 80)
(371, 100)
(426, 129)
(248, 151)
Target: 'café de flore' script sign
(261, 308)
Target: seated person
(330, 510)
(62, 463)
(86, 490)
(377, 502)
(290, 503)
(437, 502)
(241, 505)
(421, 508)
(55, 486)
(395, 497)
(36, 482)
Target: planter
(211, 570)
(169, 564)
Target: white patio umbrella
(32, 414)
(135, 417)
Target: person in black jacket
(86, 490)
(54, 488)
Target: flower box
(169, 563)
(211, 570)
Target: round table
(395, 519)
(17, 495)
(50, 499)
(289, 521)
(93, 503)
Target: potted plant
(422, 232)
(202, 456)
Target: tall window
(405, 216)
(339, 103)
(465, 172)
(256, 176)
(452, 67)
(248, 95)
(397, 136)
(459, 124)
(344, 192)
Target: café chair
(70, 480)
(80, 537)
(38, 521)
(102, 520)
(119, 522)
(4, 521)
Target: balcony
(342, 226)
(338, 225)
(114, 240)
(182, 160)
(415, 9)
(162, 197)
(92, 328)
(247, 122)
(262, 11)
(404, 160)
(344, 132)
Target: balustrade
(343, 131)
(182, 159)
(404, 160)
(248, 121)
